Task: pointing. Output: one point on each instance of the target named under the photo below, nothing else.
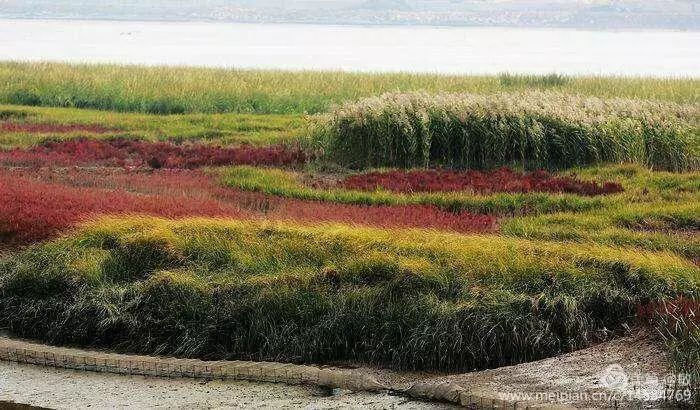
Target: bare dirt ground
(69, 389)
(630, 371)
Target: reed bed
(177, 90)
(529, 130)
(278, 291)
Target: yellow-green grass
(657, 211)
(280, 182)
(168, 90)
(671, 227)
(223, 129)
(280, 291)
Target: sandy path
(69, 389)
(630, 371)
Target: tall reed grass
(528, 130)
(176, 90)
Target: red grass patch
(500, 180)
(52, 128)
(38, 204)
(33, 210)
(124, 152)
(676, 313)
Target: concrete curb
(96, 361)
(39, 354)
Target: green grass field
(167, 90)
(221, 129)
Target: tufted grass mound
(275, 291)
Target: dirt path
(630, 371)
(70, 389)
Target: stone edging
(39, 354)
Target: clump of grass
(529, 130)
(539, 81)
(255, 290)
(677, 321)
(9, 113)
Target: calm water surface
(401, 48)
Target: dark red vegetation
(31, 210)
(52, 128)
(38, 204)
(500, 180)
(125, 152)
(681, 310)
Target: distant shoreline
(578, 27)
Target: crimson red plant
(680, 309)
(36, 204)
(124, 152)
(500, 180)
(33, 210)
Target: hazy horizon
(588, 14)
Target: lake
(474, 50)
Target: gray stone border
(21, 351)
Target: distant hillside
(386, 5)
(601, 14)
